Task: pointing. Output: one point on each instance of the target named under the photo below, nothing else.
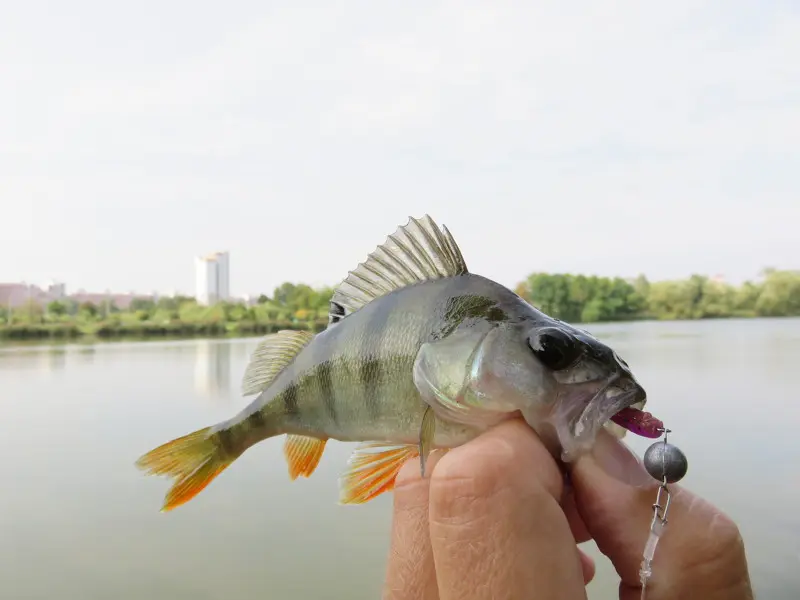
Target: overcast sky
(611, 138)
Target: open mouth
(617, 405)
(622, 410)
(578, 419)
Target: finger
(576, 524)
(497, 530)
(700, 555)
(410, 572)
(587, 566)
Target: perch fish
(418, 354)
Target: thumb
(700, 553)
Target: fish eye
(554, 348)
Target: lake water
(78, 521)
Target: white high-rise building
(223, 276)
(212, 278)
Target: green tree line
(572, 298)
(292, 306)
(582, 299)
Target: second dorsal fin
(418, 251)
(271, 356)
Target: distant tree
(642, 286)
(746, 298)
(780, 294)
(144, 304)
(284, 294)
(88, 310)
(57, 308)
(30, 312)
(578, 298)
(167, 304)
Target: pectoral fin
(427, 432)
(371, 471)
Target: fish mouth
(621, 405)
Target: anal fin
(302, 454)
(371, 471)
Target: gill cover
(458, 377)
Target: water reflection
(86, 354)
(55, 360)
(44, 359)
(212, 369)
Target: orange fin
(194, 460)
(371, 471)
(302, 454)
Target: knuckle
(719, 554)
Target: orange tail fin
(193, 460)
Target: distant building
(121, 301)
(212, 278)
(57, 290)
(15, 295)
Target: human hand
(492, 519)
(485, 522)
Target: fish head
(566, 383)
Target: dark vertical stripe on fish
(255, 421)
(290, 399)
(325, 378)
(375, 361)
(227, 441)
(371, 376)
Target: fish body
(419, 354)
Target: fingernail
(619, 461)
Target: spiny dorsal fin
(418, 251)
(270, 357)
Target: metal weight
(665, 462)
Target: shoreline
(60, 333)
(144, 331)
